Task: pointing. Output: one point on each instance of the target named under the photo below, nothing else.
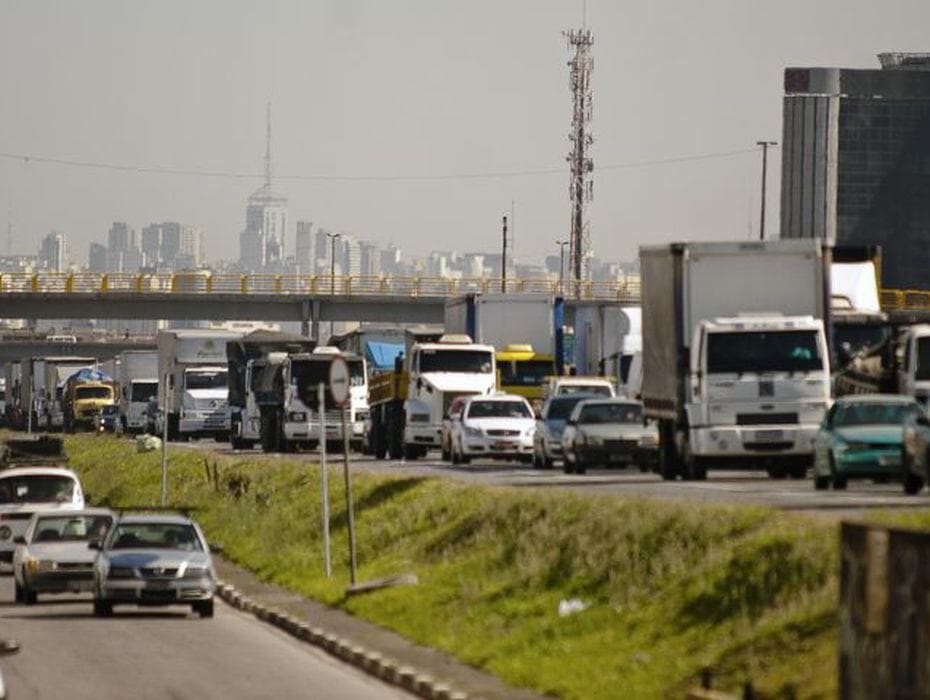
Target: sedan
(153, 560)
(547, 441)
(607, 432)
(862, 437)
(499, 426)
(52, 557)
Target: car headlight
(46, 565)
(851, 446)
(595, 440)
(297, 417)
(529, 432)
(121, 572)
(5, 532)
(473, 432)
(649, 441)
(581, 438)
(196, 572)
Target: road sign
(339, 381)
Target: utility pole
(765, 161)
(332, 271)
(504, 257)
(581, 166)
(562, 245)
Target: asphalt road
(728, 487)
(164, 653)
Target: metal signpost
(340, 389)
(324, 478)
(164, 444)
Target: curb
(371, 662)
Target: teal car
(861, 437)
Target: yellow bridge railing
(350, 285)
(905, 299)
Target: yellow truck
(525, 372)
(84, 396)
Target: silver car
(153, 560)
(52, 556)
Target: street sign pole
(164, 445)
(324, 479)
(340, 384)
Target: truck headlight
(297, 417)
(649, 441)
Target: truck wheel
(669, 459)
(411, 452)
(821, 483)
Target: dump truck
(85, 394)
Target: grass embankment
(671, 587)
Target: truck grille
(766, 418)
(503, 433)
(620, 444)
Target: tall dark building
(856, 161)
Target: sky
(431, 88)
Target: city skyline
(493, 98)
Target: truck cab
(203, 401)
(758, 389)
(524, 372)
(914, 362)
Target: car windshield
(598, 389)
(206, 380)
(525, 372)
(471, 361)
(36, 488)
(561, 409)
(763, 351)
(93, 392)
(71, 528)
(109, 410)
(155, 536)
(499, 409)
(850, 414)
(923, 359)
(611, 413)
(143, 391)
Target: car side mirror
(19, 539)
(215, 548)
(95, 544)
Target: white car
(25, 490)
(607, 432)
(599, 386)
(53, 556)
(497, 426)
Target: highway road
(724, 487)
(164, 653)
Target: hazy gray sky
(404, 87)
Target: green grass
(671, 587)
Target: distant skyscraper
(171, 233)
(97, 258)
(855, 149)
(191, 246)
(391, 259)
(351, 255)
(262, 242)
(121, 237)
(151, 244)
(304, 245)
(53, 253)
(370, 260)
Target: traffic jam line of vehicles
(55, 543)
(739, 357)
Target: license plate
(889, 460)
(504, 445)
(158, 585)
(769, 435)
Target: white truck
(735, 360)
(192, 382)
(282, 406)
(137, 379)
(408, 405)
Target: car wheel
(839, 482)
(456, 459)
(204, 608)
(102, 608)
(912, 484)
(821, 483)
(446, 454)
(537, 460)
(30, 597)
(17, 592)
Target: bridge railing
(340, 285)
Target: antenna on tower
(268, 146)
(581, 166)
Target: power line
(410, 178)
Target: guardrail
(348, 285)
(905, 299)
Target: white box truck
(735, 360)
(137, 378)
(193, 391)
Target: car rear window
(37, 488)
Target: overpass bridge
(103, 348)
(308, 299)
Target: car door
(823, 443)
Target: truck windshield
(199, 379)
(525, 372)
(763, 351)
(356, 372)
(923, 358)
(143, 391)
(93, 392)
(308, 375)
(466, 361)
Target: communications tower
(581, 166)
